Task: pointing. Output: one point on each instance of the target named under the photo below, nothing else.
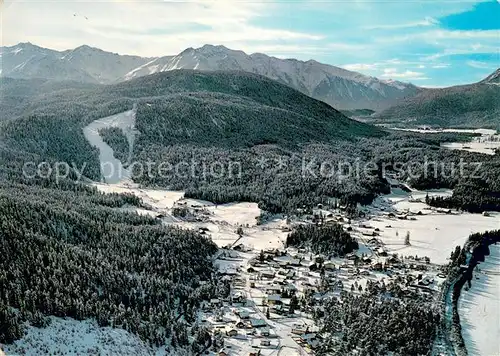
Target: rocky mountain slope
(493, 78)
(474, 105)
(221, 108)
(338, 87)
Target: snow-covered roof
(274, 297)
(258, 322)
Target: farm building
(258, 323)
(274, 299)
(243, 314)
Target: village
(274, 291)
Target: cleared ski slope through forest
(112, 169)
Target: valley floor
(432, 233)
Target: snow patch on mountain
(112, 169)
(341, 88)
(337, 86)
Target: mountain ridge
(336, 86)
(470, 105)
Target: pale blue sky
(426, 42)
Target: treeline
(476, 250)
(368, 326)
(330, 240)
(279, 180)
(473, 195)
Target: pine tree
(407, 239)
(262, 257)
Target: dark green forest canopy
(135, 273)
(116, 139)
(68, 250)
(475, 105)
(221, 117)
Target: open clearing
(479, 308)
(486, 147)
(434, 236)
(68, 336)
(486, 144)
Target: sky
(431, 43)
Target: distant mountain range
(473, 105)
(338, 87)
(84, 64)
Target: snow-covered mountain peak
(187, 51)
(341, 88)
(213, 48)
(87, 49)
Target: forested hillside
(115, 139)
(368, 326)
(210, 116)
(278, 138)
(66, 251)
(474, 105)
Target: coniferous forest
(329, 240)
(68, 250)
(115, 138)
(377, 326)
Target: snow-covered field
(479, 308)
(243, 214)
(67, 336)
(483, 132)
(479, 147)
(157, 198)
(432, 234)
